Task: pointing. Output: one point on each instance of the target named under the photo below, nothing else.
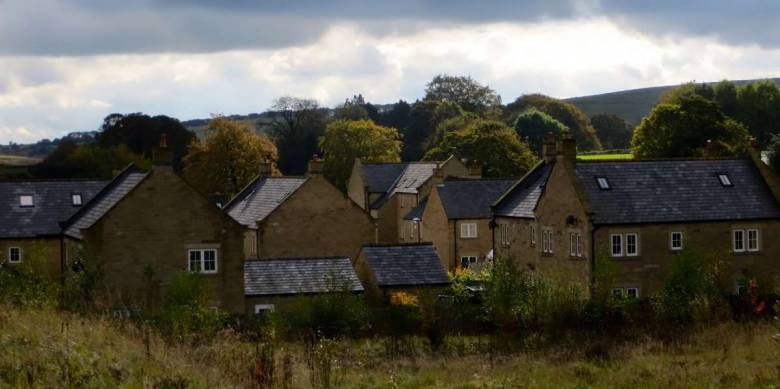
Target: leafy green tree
(689, 89)
(464, 91)
(682, 130)
(725, 95)
(572, 117)
(489, 144)
(297, 127)
(228, 159)
(774, 153)
(140, 133)
(71, 160)
(759, 109)
(614, 132)
(534, 126)
(345, 140)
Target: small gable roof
(391, 178)
(676, 191)
(471, 198)
(261, 197)
(521, 199)
(417, 212)
(52, 204)
(301, 275)
(405, 264)
(106, 199)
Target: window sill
(745, 253)
(626, 258)
(576, 258)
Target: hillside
(632, 105)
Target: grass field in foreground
(42, 348)
(605, 157)
(17, 160)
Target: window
(617, 292)
(547, 241)
(626, 292)
(203, 261)
(617, 245)
(26, 201)
(262, 309)
(14, 254)
(632, 245)
(676, 241)
(603, 183)
(575, 245)
(468, 260)
(468, 230)
(632, 293)
(738, 241)
(533, 236)
(503, 234)
(724, 179)
(76, 199)
(752, 240)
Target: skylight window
(76, 199)
(724, 179)
(26, 201)
(603, 183)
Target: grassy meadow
(47, 348)
(605, 157)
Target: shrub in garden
(323, 315)
(29, 284)
(185, 313)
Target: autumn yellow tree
(345, 140)
(229, 157)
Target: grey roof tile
(284, 276)
(261, 197)
(115, 191)
(52, 204)
(471, 198)
(676, 191)
(391, 178)
(520, 201)
(405, 265)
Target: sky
(66, 64)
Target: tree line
(456, 116)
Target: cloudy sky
(64, 65)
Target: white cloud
(50, 96)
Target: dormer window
(76, 199)
(26, 201)
(603, 183)
(724, 179)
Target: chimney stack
(569, 148)
(475, 170)
(265, 169)
(438, 171)
(161, 154)
(549, 150)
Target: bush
(29, 284)
(324, 315)
(84, 280)
(185, 313)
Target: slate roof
(405, 265)
(106, 199)
(676, 191)
(521, 199)
(471, 198)
(284, 276)
(391, 178)
(261, 197)
(52, 204)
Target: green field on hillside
(17, 160)
(605, 157)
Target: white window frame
(504, 235)
(742, 240)
(264, 308)
(470, 259)
(26, 201)
(724, 179)
(753, 248)
(547, 241)
(671, 241)
(575, 244)
(618, 292)
(76, 199)
(11, 256)
(619, 246)
(533, 235)
(636, 292)
(635, 253)
(202, 260)
(468, 230)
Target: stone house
(456, 218)
(389, 191)
(271, 282)
(300, 217)
(413, 268)
(148, 227)
(638, 215)
(30, 213)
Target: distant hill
(632, 105)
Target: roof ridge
(680, 159)
(35, 180)
(269, 259)
(398, 244)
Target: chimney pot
(265, 169)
